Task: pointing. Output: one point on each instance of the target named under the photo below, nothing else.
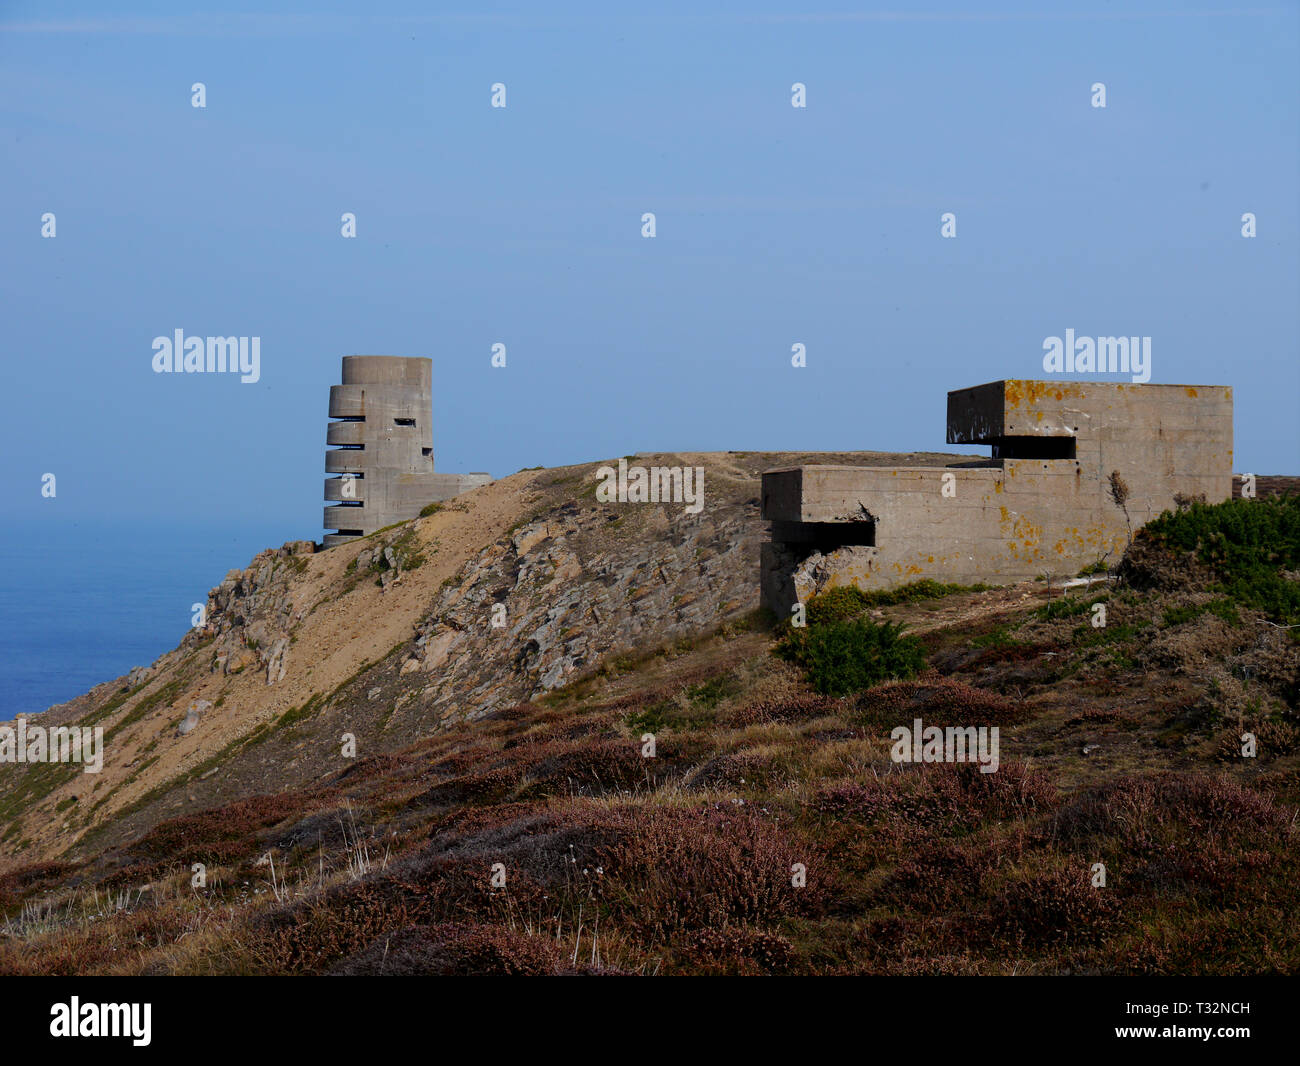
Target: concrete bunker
(1041, 503)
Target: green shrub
(1226, 610)
(836, 605)
(849, 656)
(1177, 616)
(713, 691)
(847, 601)
(666, 714)
(1066, 607)
(430, 508)
(1088, 636)
(997, 637)
(1222, 608)
(921, 590)
(1247, 544)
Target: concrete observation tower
(380, 445)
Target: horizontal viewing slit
(1033, 447)
(825, 536)
(404, 421)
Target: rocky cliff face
(250, 616)
(566, 590)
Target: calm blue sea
(82, 602)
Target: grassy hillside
(1120, 745)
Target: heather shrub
(941, 702)
(312, 935)
(1195, 836)
(844, 657)
(308, 937)
(481, 786)
(375, 766)
(942, 796)
(18, 884)
(1181, 940)
(1140, 811)
(1058, 907)
(472, 822)
(657, 870)
(1016, 790)
(541, 850)
(590, 767)
(801, 707)
(220, 834)
(739, 770)
(455, 949)
(671, 869)
(937, 877)
(738, 950)
(1272, 738)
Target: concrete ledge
(345, 462)
(343, 517)
(334, 490)
(345, 433)
(347, 401)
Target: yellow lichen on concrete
(1018, 392)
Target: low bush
(1060, 906)
(1247, 545)
(843, 602)
(942, 702)
(456, 949)
(844, 657)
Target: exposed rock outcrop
(252, 612)
(565, 590)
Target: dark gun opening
(1033, 447)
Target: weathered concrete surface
(1043, 504)
(383, 447)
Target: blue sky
(521, 225)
